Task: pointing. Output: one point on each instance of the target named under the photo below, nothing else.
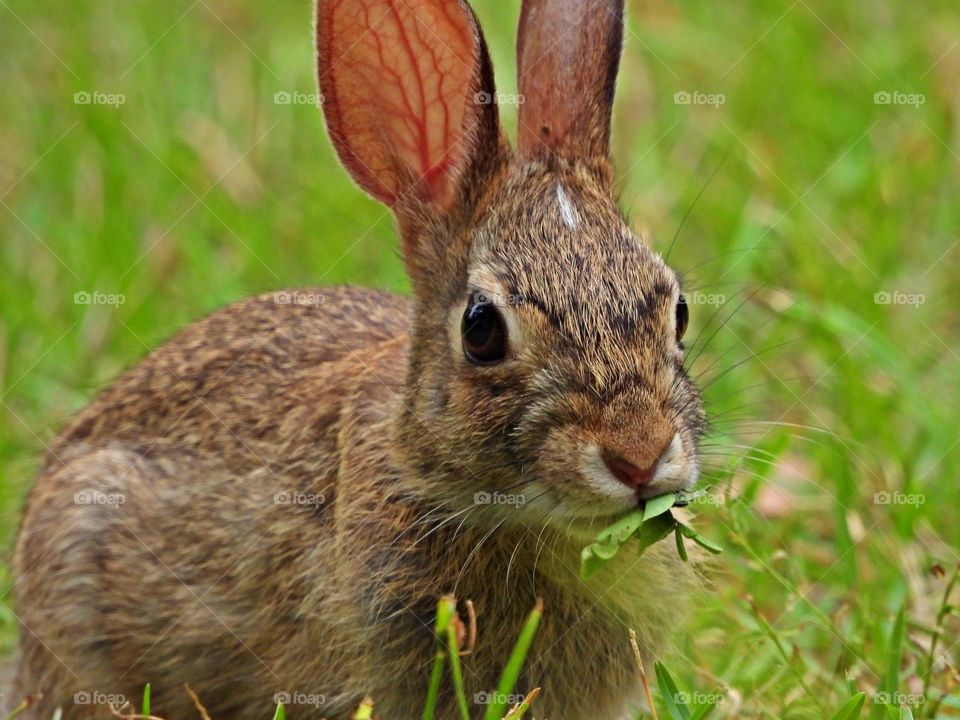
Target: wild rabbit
(274, 500)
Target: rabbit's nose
(629, 474)
(637, 471)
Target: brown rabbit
(273, 501)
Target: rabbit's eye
(683, 317)
(484, 334)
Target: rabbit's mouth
(617, 481)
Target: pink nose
(628, 473)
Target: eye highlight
(484, 333)
(683, 317)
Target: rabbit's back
(233, 382)
(177, 519)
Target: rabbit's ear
(407, 94)
(568, 52)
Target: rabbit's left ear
(568, 53)
(408, 96)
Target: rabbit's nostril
(628, 473)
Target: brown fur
(364, 399)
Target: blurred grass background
(801, 196)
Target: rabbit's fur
(299, 480)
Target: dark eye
(683, 317)
(484, 334)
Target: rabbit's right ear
(407, 94)
(568, 53)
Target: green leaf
(280, 714)
(145, 703)
(678, 536)
(699, 539)
(621, 530)
(658, 506)
(590, 563)
(671, 695)
(851, 708)
(655, 530)
(648, 525)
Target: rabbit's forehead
(586, 286)
(570, 251)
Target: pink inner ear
(395, 75)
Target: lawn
(799, 161)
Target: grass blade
(671, 695)
(520, 710)
(145, 703)
(851, 708)
(891, 677)
(511, 672)
(453, 651)
(365, 711)
(433, 689)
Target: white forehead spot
(567, 211)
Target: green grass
(199, 190)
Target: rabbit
(270, 504)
